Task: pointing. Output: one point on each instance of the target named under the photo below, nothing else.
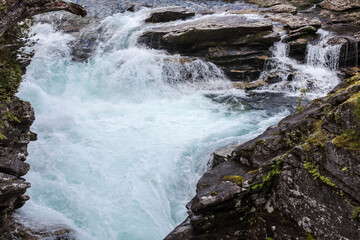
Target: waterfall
(321, 54)
(124, 137)
(318, 73)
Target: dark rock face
(297, 180)
(338, 11)
(170, 14)
(238, 45)
(13, 152)
(19, 231)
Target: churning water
(124, 137)
(318, 73)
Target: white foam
(123, 138)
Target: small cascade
(318, 74)
(322, 54)
(349, 54)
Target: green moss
(253, 171)
(214, 193)
(337, 117)
(349, 140)
(357, 109)
(12, 44)
(356, 212)
(275, 169)
(318, 139)
(234, 178)
(310, 167)
(309, 237)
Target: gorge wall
(17, 116)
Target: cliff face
(16, 116)
(13, 152)
(298, 180)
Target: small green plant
(269, 177)
(310, 167)
(309, 237)
(299, 106)
(337, 117)
(357, 109)
(356, 212)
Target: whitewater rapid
(122, 140)
(124, 137)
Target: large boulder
(169, 14)
(237, 44)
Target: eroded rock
(237, 44)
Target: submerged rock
(297, 180)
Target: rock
(250, 85)
(236, 44)
(136, 7)
(301, 30)
(18, 230)
(222, 155)
(300, 179)
(169, 14)
(284, 8)
(340, 5)
(295, 22)
(266, 3)
(352, 17)
(13, 152)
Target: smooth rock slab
(170, 14)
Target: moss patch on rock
(234, 178)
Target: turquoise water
(124, 138)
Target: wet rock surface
(170, 14)
(235, 43)
(18, 231)
(13, 152)
(297, 180)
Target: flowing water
(318, 74)
(122, 138)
